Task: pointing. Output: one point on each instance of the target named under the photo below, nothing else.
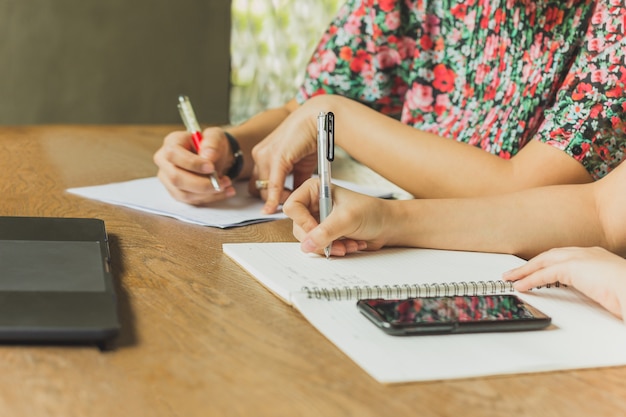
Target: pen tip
(327, 252)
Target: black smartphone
(453, 314)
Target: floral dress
(491, 73)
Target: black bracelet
(235, 169)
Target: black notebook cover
(55, 281)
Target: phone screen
(456, 314)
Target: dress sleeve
(588, 118)
(360, 57)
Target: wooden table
(200, 337)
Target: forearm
(253, 130)
(523, 223)
(609, 195)
(429, 166)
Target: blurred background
(115, 61)
(272, 41)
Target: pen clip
(330, 136)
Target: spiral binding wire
(412, 290)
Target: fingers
(324, 234)
(291, 148)
(214, 147)
(539, 278)
(272, 190)
(546, 268)
(273, 179)
(523, 271)
(178, 150)
(276, 192)
(341, 247)
(194, 190)
(185, 174)
(594, 271)
(344, 247)
(258, 187)
(302, 207)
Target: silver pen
(325, 155)
(191, 123)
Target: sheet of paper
(149, 195)
(582, 334)
(285, 270)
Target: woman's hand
(290, 148)
(596, 272)
(185, 174)
(356, 222)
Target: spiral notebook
(324, 291)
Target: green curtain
(271, 42)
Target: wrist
(400, 222)
(236, 157)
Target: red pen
(193, 127)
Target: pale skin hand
(290, 148)
(185, 173)
(357, 222)
(594, 271)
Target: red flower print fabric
(493, 74)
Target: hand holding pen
(191, 124)
(325, 155)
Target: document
(149, 195)
(325, 291)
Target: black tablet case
(55, 281)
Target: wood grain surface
(199, 336)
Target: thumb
(322, 235)
(208, 150)
(213, 144)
